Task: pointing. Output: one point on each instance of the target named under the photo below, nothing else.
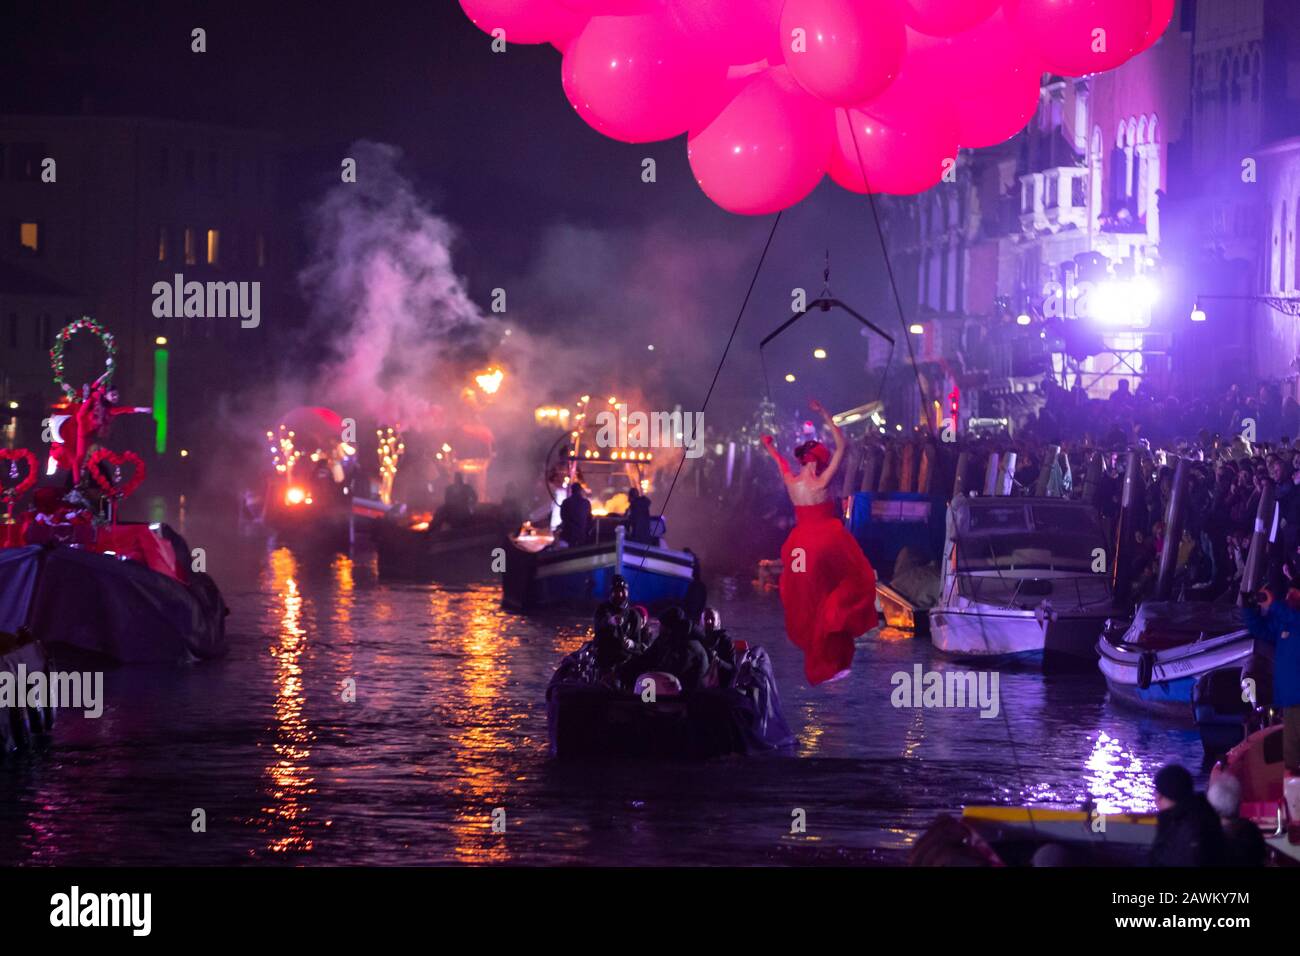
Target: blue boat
(538, 574)
(1155, 662)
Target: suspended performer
(828, 588)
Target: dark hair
(814, 450)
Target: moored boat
(409, 547)
(1022, 578)
(1155, 662)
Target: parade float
(73, 573)
(433, 488)
(550, 566)
(306, 500)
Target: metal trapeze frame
(825, 304)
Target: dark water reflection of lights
(449, 725)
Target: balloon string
(889, 270)
(735, 327)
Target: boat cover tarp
(1191, 617)
(118, 609)
(18, 574)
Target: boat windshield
(1010, 535)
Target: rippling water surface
(449, 724)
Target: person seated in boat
(458, 503)
(638, 521)
(619, 628)
(678, 649)
(1188, 832)
(721, 650)
(1243, 844)
(575, 518)
(1278, 623)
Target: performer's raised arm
(825, 477)
(770, 444)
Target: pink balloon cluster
(774, 94)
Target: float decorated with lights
(73, 572)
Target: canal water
(449, 726)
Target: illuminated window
(261, 250)
(191, 254)
(162, 243)
(214, 246)
(29, 238)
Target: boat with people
(1022, 578)
(306, 497)
(75, 575)
(1156, 661)
(728, 704)
(411, 546)
(598, 526)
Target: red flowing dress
(828, 590)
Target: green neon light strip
(160, 399)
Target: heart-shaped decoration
(12, 486)
(112, 483)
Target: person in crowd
(575, 517)
(1188, 832)
(1277, 622)
(1243, 844)
(678, 650)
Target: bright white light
(819, 353)
(1198, 314)
(789, 377)
(1022, 319)
(916, 328)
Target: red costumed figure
(828, 588)
(73, 434)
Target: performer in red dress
(828, 588)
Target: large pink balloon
(524, 21)
(637, 79)
(853, 48)
(767, 149)
(1078, 37)
(943, 18)
(610, 8)
(735, 31)
(896, 158)
(992, 116)
(985, 75)
(1162, 11)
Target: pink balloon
(1078, 37)
(984, 75)
(989, 118)
(609, 8)
(734, 31)
(637, 79)
(1162, 11)
(524, 21)
(943, 18)
(896, 158)
(767, 149)
(853, 49)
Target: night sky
(541, 203)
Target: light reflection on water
(449, 723)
